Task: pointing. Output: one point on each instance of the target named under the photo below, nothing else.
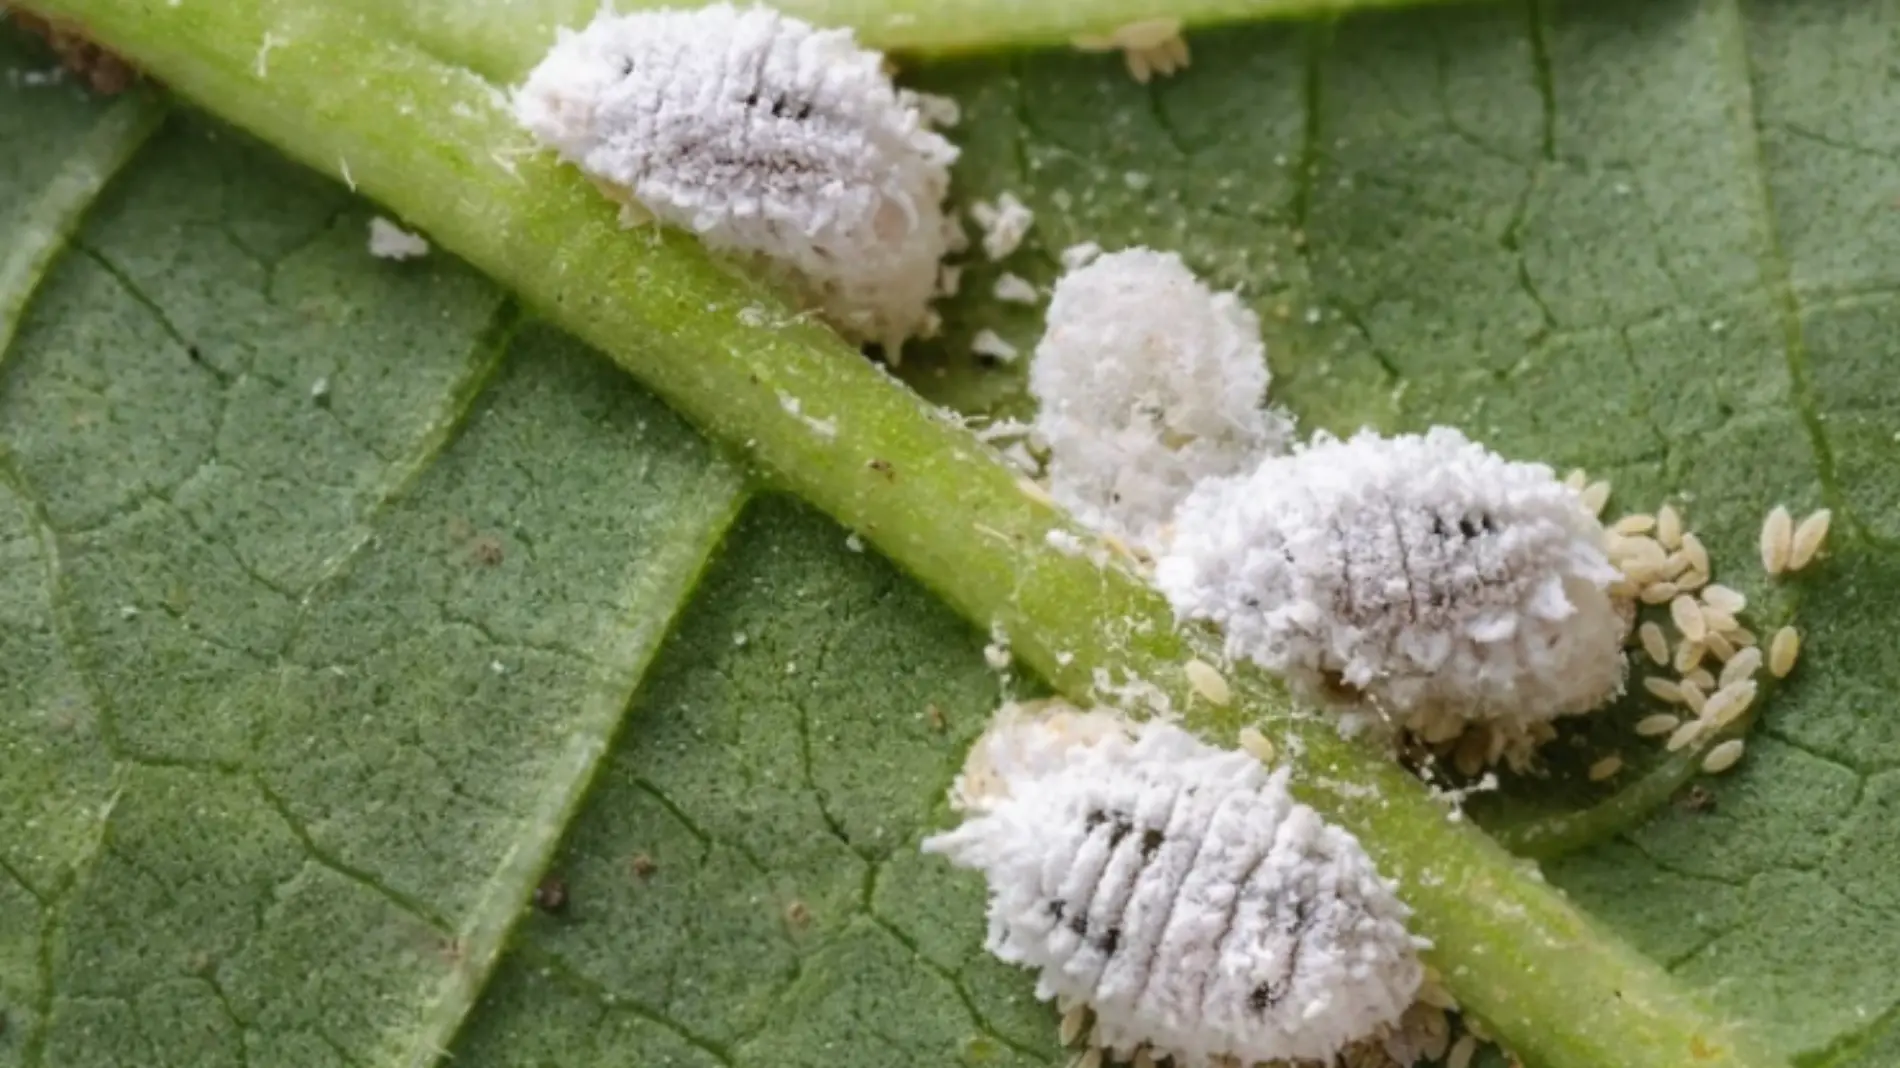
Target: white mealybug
(1179, 891)
(1148, 382)
(766, 137)
(1423, 574)
(387, 241)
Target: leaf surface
(309, 682)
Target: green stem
(501, 39)
(1547, 837)
(435, 142)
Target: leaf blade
(1631, 1012)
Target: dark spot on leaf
(551, 895)
(1079, 924)
(486, 551)
(453, 950)
(798, 915)
(642, 867)
(1335, 686)
(103, 72)
(1110, 942)
(1151, 840)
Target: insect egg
(1777, 540)
(1179, 892)
(1654, 643)
(1723, 756)
(1208, 682)
(1657, 724)
(1807, 539)
(1782, 651)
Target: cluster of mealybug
(1179, 891)
(1147, 383)
(765, 137)
(1424, 574)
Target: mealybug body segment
(1423, 575)
(1180, 892)
(764, 136)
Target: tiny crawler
(1149, 47)
(768, 138)
(387, 241)
(1179, 892)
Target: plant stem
(435, 143)
(501, 39)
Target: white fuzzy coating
(1180, 891)
(766, 137)
(1423, 572)
(1148, 382)
(387, 241)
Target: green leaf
(302, 685)
(258, 809)
(925, 492)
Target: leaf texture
(329, 582)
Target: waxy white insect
(766, 137)
(387, 241)
(1004, 224)
(1148, 382)
(1179, 891)
(1424, 574)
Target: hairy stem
(433, 140)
